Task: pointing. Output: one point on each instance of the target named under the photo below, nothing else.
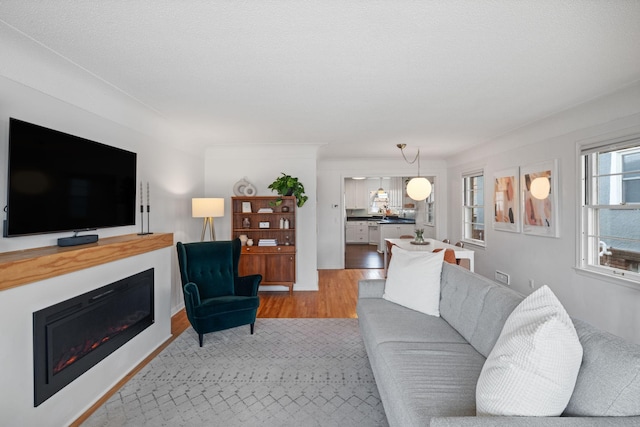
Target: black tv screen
(60, 182)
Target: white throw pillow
(533, 366)
(413, 280)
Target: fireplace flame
(75, 353)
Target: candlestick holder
(142, 232)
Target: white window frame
(467, 223)
(587, 253)
(430, 206)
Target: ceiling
(356, 76)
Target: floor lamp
(207, 208)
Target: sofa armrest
(533, 421)
(371, 288)
(247, 286)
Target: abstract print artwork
(505, 201)
(540, 199)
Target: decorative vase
(419, 235)
(243, 239)
(250, 242)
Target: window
(473, 208)
(430, 202)
(610, 220)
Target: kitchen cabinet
(357, 232)
(276, 264)
(393, 231)
(356, 194)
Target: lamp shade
(207, 207)
(419, 188)
(540, 187)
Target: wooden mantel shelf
(31, 265)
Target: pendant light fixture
(418, 188)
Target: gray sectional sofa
(426, 367)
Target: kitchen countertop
(397, 221)
(387, 220)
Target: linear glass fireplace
(72, 336)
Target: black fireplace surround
(72, 336)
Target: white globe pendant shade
(419, 188)
(540, 187)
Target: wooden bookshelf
(277, 264)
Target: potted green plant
(286, 185)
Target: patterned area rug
(291, 372)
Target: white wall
(331, 209)
(551, 261)
(40, 87)
(261, 165)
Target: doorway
(362, 256)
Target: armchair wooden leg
(252, 328)
(201, 338)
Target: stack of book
(267, 242)
(265, 210)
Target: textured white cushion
(533, 366)
(413, 280)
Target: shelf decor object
(244, 188)
(142, 232)
(207, 208)
(287, 185)
(273, 253)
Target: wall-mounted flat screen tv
(60, 182)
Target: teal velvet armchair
(215, 297)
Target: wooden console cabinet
(277, 264)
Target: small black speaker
(77, 240)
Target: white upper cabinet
(356, 194)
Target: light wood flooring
(336, 297)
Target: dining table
(464, 257)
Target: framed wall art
(506, 207)
(540, 210)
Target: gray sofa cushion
(475, 306)
(384, 321)
(533, 422)
(422, 380)
(461, 298)
(371, 288)
(609, 379)
(499, 303)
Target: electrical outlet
(502, 277)
(532, 284)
